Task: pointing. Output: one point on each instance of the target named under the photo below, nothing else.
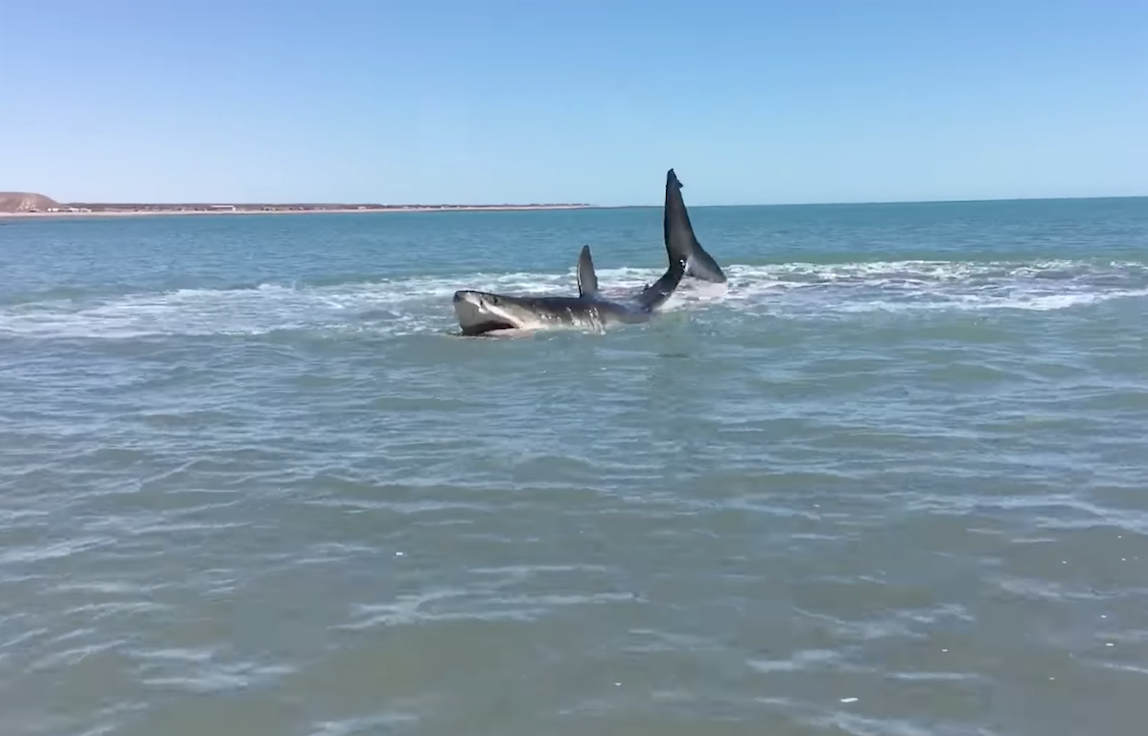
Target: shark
(487, 313)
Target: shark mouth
(474, 329)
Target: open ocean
(893, 481)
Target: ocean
(891, 480)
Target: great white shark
(482, 312)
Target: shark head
(480, 312)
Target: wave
(411, 305)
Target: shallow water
(891, 480)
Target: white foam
(422, 304)
(898, 286)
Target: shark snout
(468, 297)
(477, 299)
(470, 303)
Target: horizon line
(224, 206)
(588, 205)
(868, 202)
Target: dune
(26, 202)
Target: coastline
(176, 210)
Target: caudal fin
(679, 236)
(587, 279)
(679, 247)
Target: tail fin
(679, 247)
(587, 279)
(676, 224)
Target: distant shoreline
(104, 210)
(152, 210)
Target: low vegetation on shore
(27, 203)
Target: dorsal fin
(587, 279)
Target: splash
(413, 305)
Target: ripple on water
(897, 492)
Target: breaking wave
(422, 304)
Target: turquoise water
(892, 480)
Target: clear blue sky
(481, 102)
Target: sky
(751, 102)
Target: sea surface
(892, 480)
